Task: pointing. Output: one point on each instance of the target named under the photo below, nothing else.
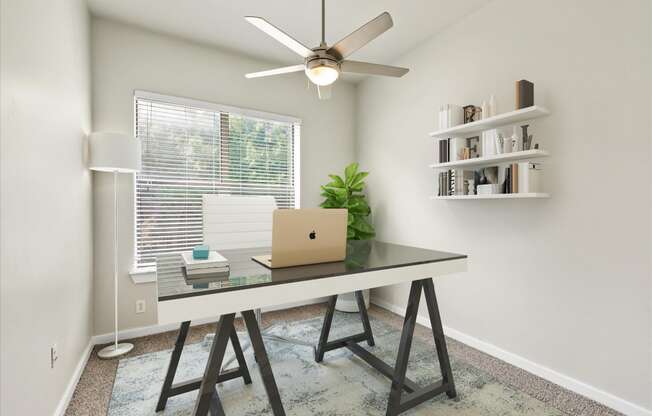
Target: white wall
(565, 282)
(125, 58)
(46, 244)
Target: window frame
(207, 105)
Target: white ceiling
(221, 23)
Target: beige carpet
(94, 390)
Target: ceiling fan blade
(279, 35)
(276, 71)
(324, 91)
(361, 36)
(372, 69)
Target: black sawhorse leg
(324, 345)
(169, 389)
(398, 402)
(208, 398)
(263, 363)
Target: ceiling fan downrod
(323, 24)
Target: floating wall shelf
(505, 119)
(495, 196)
(491, 160)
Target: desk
(368, 264)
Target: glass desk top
(245, 273)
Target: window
(190, 148)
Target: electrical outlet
(54, 355)
(140, 306)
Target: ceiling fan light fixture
(322, 71)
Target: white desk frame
(205, 306)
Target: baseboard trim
(546, 373)
(158, 329)
(72, 384)
(144, 331)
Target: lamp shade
(114, 152)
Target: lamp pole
(116, 349)
(115, 255)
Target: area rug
(341, 385)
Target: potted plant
(347, 192)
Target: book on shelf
(508, 180)
(444, 150)
(455, 149)
(524, 94)
(444, 184)
(441, 151)
(451, 182)
(462, 178)
(440, 185)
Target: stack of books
(214, 264)
(454, 182)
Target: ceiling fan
(323, 64)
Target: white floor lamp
(116, 153)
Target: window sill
(143, 275)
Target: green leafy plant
(348, 193)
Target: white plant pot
(346, 302)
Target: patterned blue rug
(341, 385)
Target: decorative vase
(516, 142)
(507, 145)
(493, 108)
(483, 178)
(500, 140)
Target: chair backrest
(235, 221)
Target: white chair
(235, 221)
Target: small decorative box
(488, 189)
(200, 252)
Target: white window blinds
(192, 148)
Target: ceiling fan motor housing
(315, 61)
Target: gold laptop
(306, 236)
